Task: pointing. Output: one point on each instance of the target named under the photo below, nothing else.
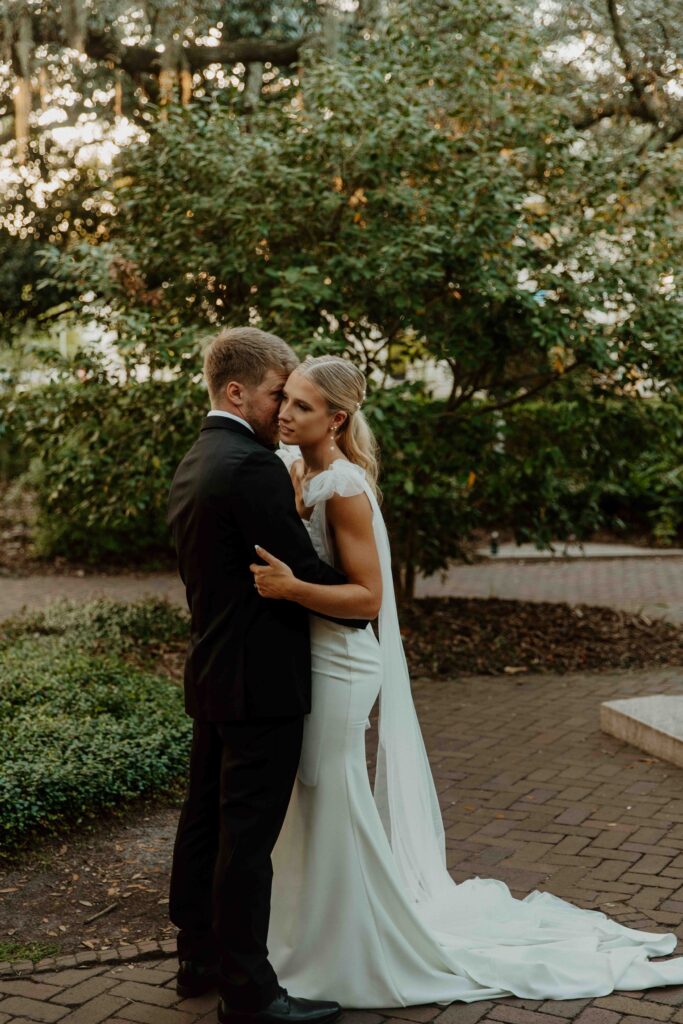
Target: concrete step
(653, 724)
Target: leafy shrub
(138, 625)
(544, 470)
(579, 465)
(104, 456)
(647, 487)
(84, 730)
(13, 449)
(428, 470)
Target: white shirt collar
(231, 416)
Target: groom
(247, 682)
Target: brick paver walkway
(651, 585)
(532, 793)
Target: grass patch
(35, 951)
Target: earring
(332, 439)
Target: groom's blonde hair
(244, 354)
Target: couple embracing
(296, 887)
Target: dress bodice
(342, 477)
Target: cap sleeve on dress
(289, 453)
(344, 478)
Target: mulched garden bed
(448, 637)
(102, 884)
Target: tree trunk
(398, 581)
(118, 94)
(167, 80)
(74, 23)
(168, 76)
(22, 109)
(253, 80)
(23, 53)
(405, 573)
(42, 88)
(409, 581)
(331, 32)
(185, 82)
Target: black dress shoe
(194, 978)
(284, 1009)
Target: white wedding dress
(363, 908)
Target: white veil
(405, 795)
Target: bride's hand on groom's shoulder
(296, 472)
(275, 579)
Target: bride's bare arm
(350, 520)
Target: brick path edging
(134, 952)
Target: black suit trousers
(241, 779)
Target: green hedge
(103, 457)
(83, 728)
(580, 465)
(13, 450)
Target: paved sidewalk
(532, 793)
(510, 551)
(652, 585)
(34, 591)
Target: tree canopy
(577, 105)
(492, 193)
(425, 194)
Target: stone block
(653, 724)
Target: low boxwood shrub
(83, 728)
(140, 625)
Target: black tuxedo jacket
(248, 657)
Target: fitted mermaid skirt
(342, 924)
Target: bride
(363, 908)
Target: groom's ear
(234, 392)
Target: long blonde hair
(343, 387)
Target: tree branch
(633, 75)
(631, 107)
(104, 45)
(641, 104)
(515, 399)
